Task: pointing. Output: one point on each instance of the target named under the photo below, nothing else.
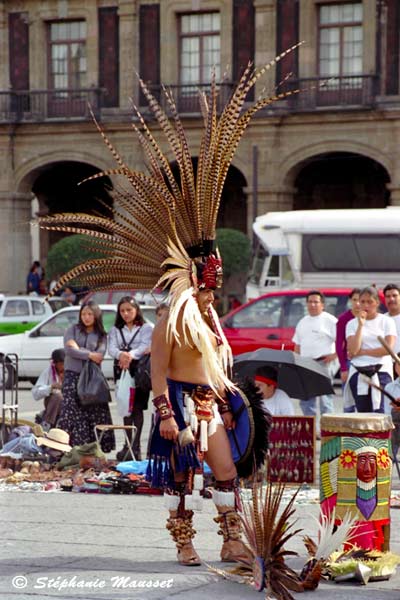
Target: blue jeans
(309, 407)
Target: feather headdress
(161, 229)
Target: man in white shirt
(391, 293)
(276, 401)
(315, 336)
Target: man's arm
(161, 351)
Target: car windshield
(57, 325)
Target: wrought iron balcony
(337, 92)
(186, 96)
(42, 105)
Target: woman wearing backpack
(128, 341)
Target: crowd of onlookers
(349, 344)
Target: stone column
(4, 72)
(265, 46)
(128, 52)
(15, 216)
(394, 189)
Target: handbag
(92, 386)
(141, 371)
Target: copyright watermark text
(75, 582)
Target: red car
(270, 321)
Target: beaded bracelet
(163, 407)
(223, 405)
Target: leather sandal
(188, 556)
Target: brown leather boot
(182, 532)
(233, 549)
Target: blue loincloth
(159, 471)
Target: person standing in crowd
(69, 296)
(367, 355)
(129, 340)
(33, 280)
(276, 401)
(161, 310)
(48, 388)
(341, 343)
(391, 293)
(82, 342)
(315, 336)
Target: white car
(20, 313)
(34, 347)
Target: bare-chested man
(182, 395)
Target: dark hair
(139, 319)
(267, 371)
(390, 286)
(316, 293)
(354, 291)
(371, 291)
(58, 355)
(162, 306)
(98, 318)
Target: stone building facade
(333, 145)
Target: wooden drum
(355, 473)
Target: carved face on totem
(366, 466)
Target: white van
(325, 248)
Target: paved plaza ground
(117, 547)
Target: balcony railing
(322, 92)
(41, 105)
(71, 104)
(186, 97)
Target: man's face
(204, 299)
(366, 466)
(392, 301)
(315, 306)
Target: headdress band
(266, 380)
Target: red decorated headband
(266, 380)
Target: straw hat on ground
(55, 438)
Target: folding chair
(100, 430)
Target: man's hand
(344, 375)
(169, 429)
(229, 423)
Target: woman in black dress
(87, 340)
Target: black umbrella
(299, 376)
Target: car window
(258, 315)
(336, 305)
(108, 319)
(58, 324)
(150, 314)
(17, 308)
(38, 308)
(57, 303)
(295, 309)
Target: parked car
(20, 313)
(270, 321)
(34, 347)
